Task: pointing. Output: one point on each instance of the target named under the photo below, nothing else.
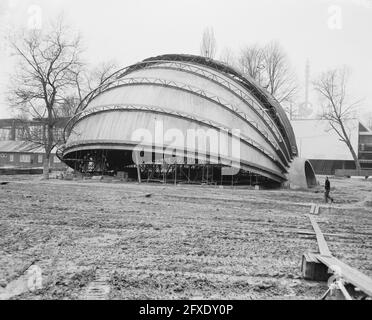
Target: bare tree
(270, 67)
(47, 62)
(337, 107)
(251, 62)
(280, 79)
(85, 80)
(208, 45)
(68, 106)
(227, 57)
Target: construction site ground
(97, 240)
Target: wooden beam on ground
(314, 209)
(347, 273)
(312, 268)
(344, 291)
(138, 168)
(322, 244)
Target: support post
(313, 269)
(138, 168)
(221, 176)
(175, 173)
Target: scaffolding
(165, 171)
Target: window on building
(5, 134)
(11, 157)
(25, 158)
(58, 134)
(40, 158)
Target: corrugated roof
(22, 146)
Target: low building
(25, 155)
(365, 147)
(29, 130)
(18, 154)
(319, 143)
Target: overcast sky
(328, 33)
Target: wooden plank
(349, 274)
(344, 291)
(316, 209)
(322, 244)
(312, 209)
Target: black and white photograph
(185, 155)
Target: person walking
(327, 187)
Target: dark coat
(327, 185)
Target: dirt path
(100, 240)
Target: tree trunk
(355, 157)
(348, 143)
(48, 141)
(46, 167)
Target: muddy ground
(129, 241)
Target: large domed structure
(197, 112)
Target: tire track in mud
(228, 243)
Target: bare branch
(332, 90)
(208, 45)
(269, 66)
(47, 62)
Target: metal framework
(86, 147)
(272, 135)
